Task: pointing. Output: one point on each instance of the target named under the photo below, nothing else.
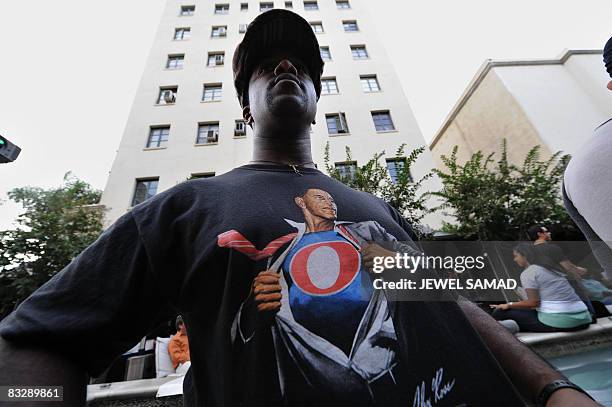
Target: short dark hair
(533, 231)
(179, 321)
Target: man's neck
(539, 241)
(322, 225)
(288, 149)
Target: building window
(359, 52)
(350, 26)
(346, 169)
(266, 6)
(199, 175)
(244, 6)
(158, 136)
(242, 28)
(219, 31)
(167, 95)
(336, 123)
(288, 4)
(187, 10)
(311, 5)
(182, 33)
(212, 92)
(325, 54)
(317, 26)
(369, 83)
(175, 61)
(343, 4)
(216, 58)
(329, 86)
(208, 133)
(221, 8)
(382, 121)
(145, 189)
(395, 166)
(240, 128)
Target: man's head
(607, 57)
(277, 70)
(539, 233)
(318, 204)
(180, 324)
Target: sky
(70, 68)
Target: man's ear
(246, 115)
(610, 85)
(299, 201)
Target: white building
(186, 120)
(555, 103)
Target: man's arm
(570, 267)
(89, 313)
(30, 366)
(263, 302)
(526, 370)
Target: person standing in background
(587, 190)
(178, 348)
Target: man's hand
(369, 251)
(262, 304)
(266, 292)
(570, 398)
(500, 306)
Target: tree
(56, 226)
(403, 193)
(498, 200)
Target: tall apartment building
(186, 121)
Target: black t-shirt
(196, 248)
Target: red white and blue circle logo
(325, 268)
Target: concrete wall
(488, 116)
(181, 157)
(563, 102)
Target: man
(587, 192)
(541, 237)
(200, 247)
(178, 348)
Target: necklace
(293, 166)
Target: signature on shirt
(439, 390)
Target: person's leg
(527, 319)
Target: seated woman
(552, 305)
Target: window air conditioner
(212, 136)
(169, 96)
(219, 59)
(240, 129)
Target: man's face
(545, 234)
(281, 89)
(320, 204)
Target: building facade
(554, 103)
(186, 120)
